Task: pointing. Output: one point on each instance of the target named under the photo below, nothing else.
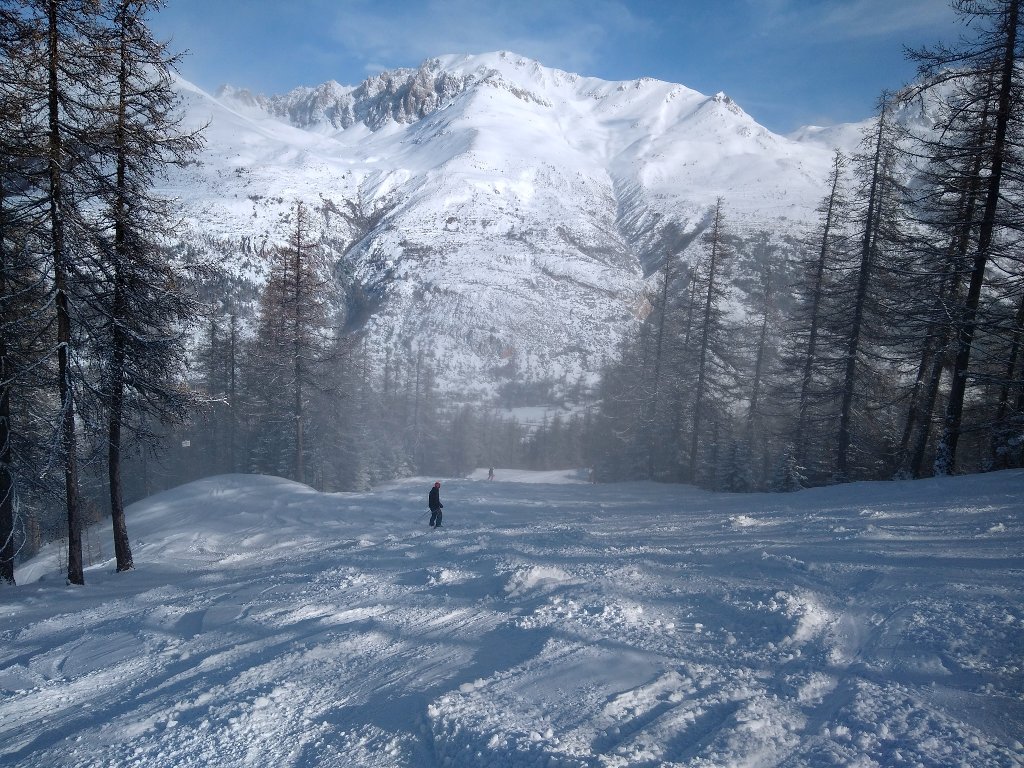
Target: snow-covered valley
(551, 622)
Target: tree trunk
(7, 487)
(69, 441)
(698, 399)
(918, 417)
(122, 547)
(845, 436)
(297, 331)
(232, 390)
(6, 478)
(811, 354)
(651, 418)
(755, 387)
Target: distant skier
(490, 473)
(434, 502)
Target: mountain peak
(404, 96)
(491, 198)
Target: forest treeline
(885, 341)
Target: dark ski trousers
(435, 517)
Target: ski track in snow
(550, 623)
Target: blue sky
(786, 62)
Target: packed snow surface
(551, 622)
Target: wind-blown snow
(551, 622)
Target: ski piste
(557, 623)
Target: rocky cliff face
(400, 96)
(497, 212)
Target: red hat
(437, 485)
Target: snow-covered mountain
(500, 213)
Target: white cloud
(867, 18)
(563, 33)
(839, 19)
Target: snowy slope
(518, 207)
(552, 623)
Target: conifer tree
(649, 388)
(708, 350)
(859, 325)
(762, 331)
(15, 152)
(789, 475)
(290, 350)
(933, 268)
(70, 35)
(987, 75)
(147, 302)
(806, 355)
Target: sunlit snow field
(549, 623)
